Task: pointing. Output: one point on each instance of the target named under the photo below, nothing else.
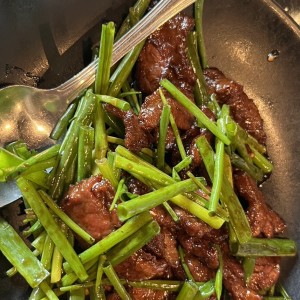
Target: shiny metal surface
(29, 114)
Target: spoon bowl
(29, 114)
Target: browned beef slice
(151, 109)
(135, 137)
(234, 282)
(170, 142)
(163, 218)
(88, 202)
(190, 224)
(137, 187)
(243, 109)
(145, 294)
(164, 56)
(263, 220)
(266, 273)
(199, 271)
(203, 249)
(142, 266)
(164, 246)
(148, 294)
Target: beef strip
(266, 273)
(163, 218)
(87, 203)
(198, 269)
(164, 246)
(242, 109)
(203, 249)
(164, 56)
(234, 282)
(190, 224)
(135, 137)
(263, 220)
(151, 110)
(144, 294)
(136, 187)
(142, 266)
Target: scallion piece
(65, 218)
(107, 171)
(217, 178)
(47, 253)
(20, 256)
(53, 230)
(174, 127)
(133, 243)
(148, 201)
(115, 281)
(194, 110)
(63, 123)
(48, 291)
(121, 104)
(163, 127)
(123, 70)
(188, 291)
(237, 217)
(115, 237)
(264, 247)
(101, 261)
(200, 88)
(105, 55)
(199, 29)
(85, 149)
(101, 143)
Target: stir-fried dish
(152, 189)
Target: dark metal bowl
(46, 42)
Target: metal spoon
(29, 114)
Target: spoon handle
(161, 13)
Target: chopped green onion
(121, 104)
(163, 127)
(20, 256)
(115, 237)
(65, 218)
(188, 291)
(53, 230)
(194, 110)
(115, 281)
(85, 149)
(264, 247)
(148, 201)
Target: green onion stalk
(36, 203)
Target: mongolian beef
(164, 55)
(157, 181)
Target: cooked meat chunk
(263, 220)
(243, 110)
(190, 224)
(142, 266)
(145, 294)
(164, 56)
(233, 279)
(88, 202)
(135, 137)
(148, 294)
(151, 109)
(203, 249)
(164, 246)
(137, 187)
(199, 271)
(163, 218)
(266, 273)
